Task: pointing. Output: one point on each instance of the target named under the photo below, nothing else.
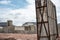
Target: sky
(57, 2)
(21, 11)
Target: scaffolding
(46, 20)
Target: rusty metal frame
(43, 22)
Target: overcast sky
(21, 11)
(57, 3)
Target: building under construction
(47, 28)
(46, 20)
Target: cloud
(5, 2)
(21, 15)
(58, 19)
(13, 4)
(27, 14)
(57, 3)
(31, 1)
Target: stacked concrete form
(46, 20)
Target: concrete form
(46, 20)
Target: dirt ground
(11, 36)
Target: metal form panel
(46, 20)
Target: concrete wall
(9, 29)
(52, 17)
(59, 28)
(49, 18)
(19, 28)
(26, 29)
(52, 20)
